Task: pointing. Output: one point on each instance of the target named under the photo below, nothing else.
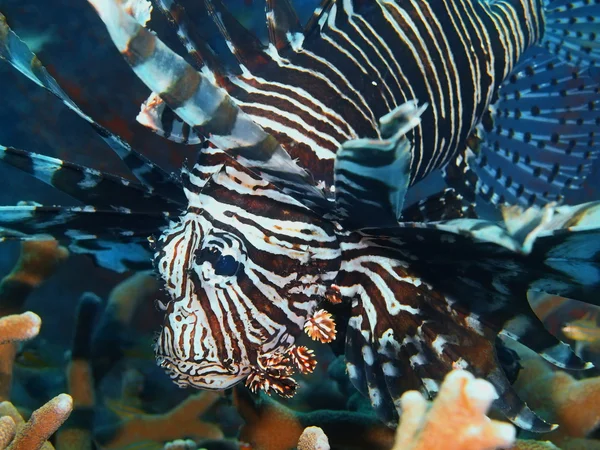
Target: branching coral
(457, 418)
(77, 432)
(43, 423)
(15, 433)
(272, 426)
(38, 260)
(560, 398)
(183, 420)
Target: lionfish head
(245, 266)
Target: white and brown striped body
(365, 58)
(358, 61)
(245, 266)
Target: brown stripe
(140, 47)
(222, 121)
(182, 89)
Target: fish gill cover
(292, 217)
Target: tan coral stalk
(43, 423)
(38, 260)
(19, 327)
(14, 328)
(456, 419)
(313, 438)
(7, 431)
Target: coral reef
(458, 415)
(456, 419)
(43, 423)
(94, 350)
(269, 425)
(37, 261)
(313, 438)
(560, 398)
(183, 420)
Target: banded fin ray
(245, 45)
(201, 54)
(89, 186)
(81, 222)
(573, 31)
(411, 342)
(283, 23)
(116, 240)
(212, 112)
(17, 54)
(161, 119)
(539, 137)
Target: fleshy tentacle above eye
(415, 277)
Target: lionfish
(307, 147)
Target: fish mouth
(211, 376)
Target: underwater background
(73, 43)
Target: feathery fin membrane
(573, 31)
(453, 314)
(538, 140)
(89, 186)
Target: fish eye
(224, 265)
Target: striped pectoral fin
(115, 240)
(372, 175)
(457, 346)
(538, 140)
(573, 31)
(386, 358)
(161, 119)
(368, 374)
(87, 185)
(531, 332)
(209, 109)
(17, 54)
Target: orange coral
(77, 433)
(8, 428)
(457, 416)
(44, 421)
(272, 426)
(559, 398)
(19, 327)
(183, 420)
(38, 260)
